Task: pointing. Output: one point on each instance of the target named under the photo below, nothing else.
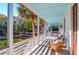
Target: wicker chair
(56, 47)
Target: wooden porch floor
(42, 49)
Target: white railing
(19, 48)
(4, 51)
(24, 46)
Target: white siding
(68, 27)
(78, 33)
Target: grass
(3, 44)
(18, 39)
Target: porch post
(38, 27)
(10, 28)
(33, 27)
(64, 26)
(44, 30)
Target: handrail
(3, 51)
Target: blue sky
(4, 9)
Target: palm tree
(23, 11)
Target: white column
(10, 28)
(45, 29)
(51, 29)
(38, 27)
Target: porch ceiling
(52, 12)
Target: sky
(4, 9)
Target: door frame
(74, 29)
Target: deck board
(42, 49)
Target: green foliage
(3, 25)
(3, 44)
(16, 39)
(23, 11)
(25, 27)
(28, 26)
